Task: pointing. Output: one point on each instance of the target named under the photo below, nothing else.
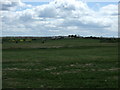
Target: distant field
(64, 63)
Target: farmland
(59, 63)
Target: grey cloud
(7, 6)
(48, 12)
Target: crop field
(63, 63)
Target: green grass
(77, 63)
(56, 43)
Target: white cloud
(110, 10)
(8, 5)
(60, 17)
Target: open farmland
(62, 63)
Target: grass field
(65, 63)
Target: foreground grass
(79, 66)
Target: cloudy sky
(59, 17)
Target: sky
(59, 18)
